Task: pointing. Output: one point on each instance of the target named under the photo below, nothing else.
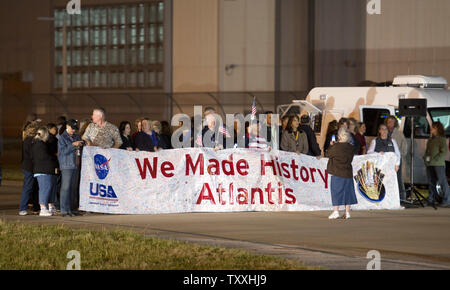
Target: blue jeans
(436, 175)
(47, 192)
(68, 187)
(27, 190)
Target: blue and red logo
(102, 191)
(101, 166)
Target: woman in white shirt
(383, 143)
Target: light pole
(64, 52)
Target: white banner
(201, 180)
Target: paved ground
(406, 239)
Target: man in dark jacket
(314, 149)
(209, 137)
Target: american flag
(254, 108)
(224, 131)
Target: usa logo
(101, 166)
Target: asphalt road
(405, 239)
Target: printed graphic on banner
(100, 193)
(101, 166)
(232, 180)
(369, 180)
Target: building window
(112, 47)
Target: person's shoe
(45, 212)
(334, 215)
(347, 215)
(52, 209)
(76, 213)
(23, 212)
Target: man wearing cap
(69, 155)
(314, 149)
(102, 133)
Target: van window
(421, 128)
(441, 115)
(373, 118)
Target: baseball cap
(73, 124)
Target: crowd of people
(51, 154)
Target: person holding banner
(146, 140)
(101, 133)
(210, 139)
(127, 140)
(383, 143)
(339, 166)
(163, 141)
(253, 140)
(138, 124)
(293, 139)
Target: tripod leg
(420, 197)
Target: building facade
(159, 57)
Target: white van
(372, 105)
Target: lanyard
(296, 138)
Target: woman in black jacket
(125, 134)
(45, 168)
(30, 188)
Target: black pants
(35, 196)
(436, 176)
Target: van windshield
(442, 115)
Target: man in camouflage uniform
(102, 133)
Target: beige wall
(247, 40)
(409, 37)
(294, 45)
(211, 34)
(339, 42)
(195, 45)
